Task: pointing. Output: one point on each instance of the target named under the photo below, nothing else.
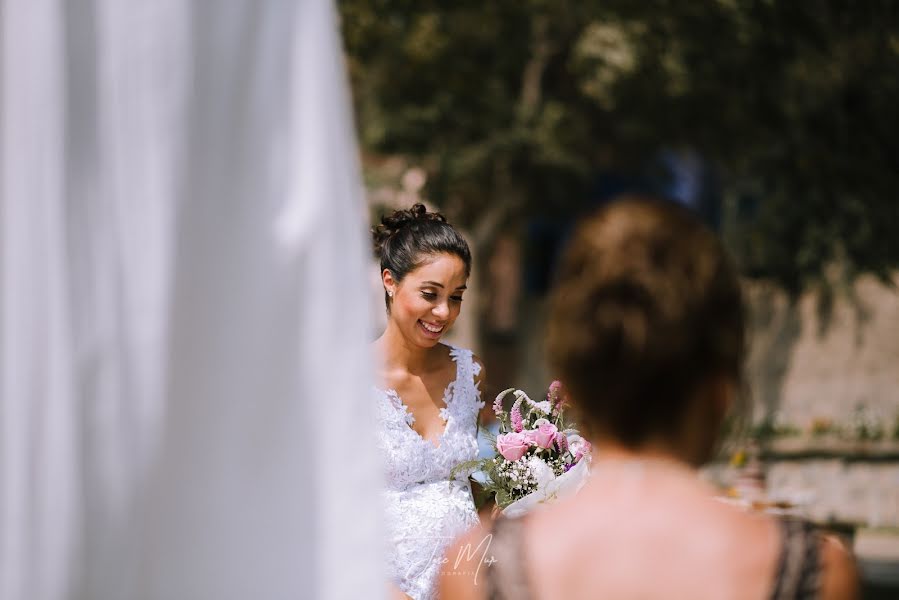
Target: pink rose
(543, 436)
(512, 445)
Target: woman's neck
(397, 353)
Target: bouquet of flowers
(539, 457)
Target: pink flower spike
(498, 402)
(561, 442)
(517, 425)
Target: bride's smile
(433, 329)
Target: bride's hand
(489, 511)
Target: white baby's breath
(540, 471)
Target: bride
(428, 401)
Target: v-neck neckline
(447, 398)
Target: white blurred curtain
(183, 305)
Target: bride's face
(428, 300)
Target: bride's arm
(483, 501)
(479, 378)
(485, 415)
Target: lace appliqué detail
(424, 510)
(398, 405)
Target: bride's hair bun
(398, 220)
(406, 238)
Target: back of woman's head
(406, 239)
(646, 307)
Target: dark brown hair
(646, 306)
(406, 238)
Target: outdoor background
(776, 121)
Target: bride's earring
(390, 293)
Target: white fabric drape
(183, 305)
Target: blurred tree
(514, 107)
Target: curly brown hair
(646, 307)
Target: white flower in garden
(545, 407)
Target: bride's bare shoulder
(444, 352)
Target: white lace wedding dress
(425, 511)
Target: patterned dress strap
(507, 577)
(799, 567)
(463, 360)
(467, 371)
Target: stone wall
(821, 357)
(835, 489)
(824, 355)
(830, 489)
